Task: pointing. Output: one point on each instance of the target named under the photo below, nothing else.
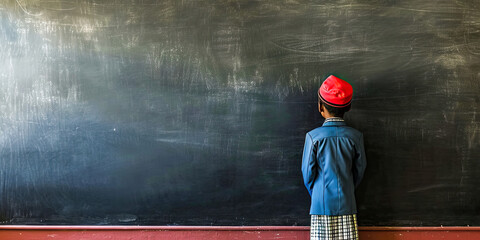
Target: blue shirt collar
(334, 122)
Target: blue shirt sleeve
(360, 162)
(309, 164)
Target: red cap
(335, 92)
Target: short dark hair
(337, 112)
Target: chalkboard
(146, 112)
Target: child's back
(339, 148)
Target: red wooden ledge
(21, 232)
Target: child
(333, 165)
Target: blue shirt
(333, 164)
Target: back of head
(337, 112)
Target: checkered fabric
(342, 227)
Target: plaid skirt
(342, 227)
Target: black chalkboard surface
(189, 112)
